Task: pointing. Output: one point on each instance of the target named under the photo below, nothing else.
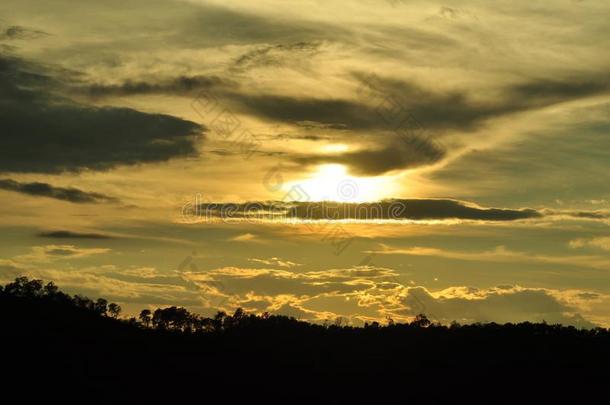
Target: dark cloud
(182, 86)
(176, 137)
(335, 112)
(225, 152)
(446, 110)
(59, 193)
(396, 209)
(18, 32)
(590, 214)
(389, 108)
(380, 103)
(275, 55)
(221, 152)
(318, 125)
(411, 152)
(593, 215)
(306, 137)
(64, 234)
(413, 209)
(547, 91)
(385, 104)
(42, 132)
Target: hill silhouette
(72, 349)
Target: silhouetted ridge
(80, 350)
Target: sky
(365, 160)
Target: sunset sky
(165, 152)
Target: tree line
(179, 319)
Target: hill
(76, 350)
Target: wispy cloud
(601, 243)
(246, 237)
(274, 261)
(70, 194)
(51, 253)
(64, 234)
(498, 255)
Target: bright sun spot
(331, 182)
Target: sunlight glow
(331, 182)
(335, 148)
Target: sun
(332, 182)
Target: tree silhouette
(421, 321)
(83, 302)
(188, 350)
(101, 306)
(146, 317)
(23, 287)
(174, 318)
(114, 310)
(50, 289)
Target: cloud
(44, 133)
(276, 55)
(245, 237)
(416, 209)
(456, 109)
(585, 214)
(328, 111)
(409, 153)
(65, 234)
(73, 195)
(274, 261)
(391, 209)
(601, 243)
(369, 293)
(498, 304)
(498, 255)
(406, 120)
(550, 91)
(50, 253)
(182, 86)
(133, 288)
(219, 26)
(358, 294)
(379, 102)
(17, 32)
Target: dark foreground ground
(57, 350)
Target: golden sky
(360, 159)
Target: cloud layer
(73, 195)
(44, 133)
(394, 209)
